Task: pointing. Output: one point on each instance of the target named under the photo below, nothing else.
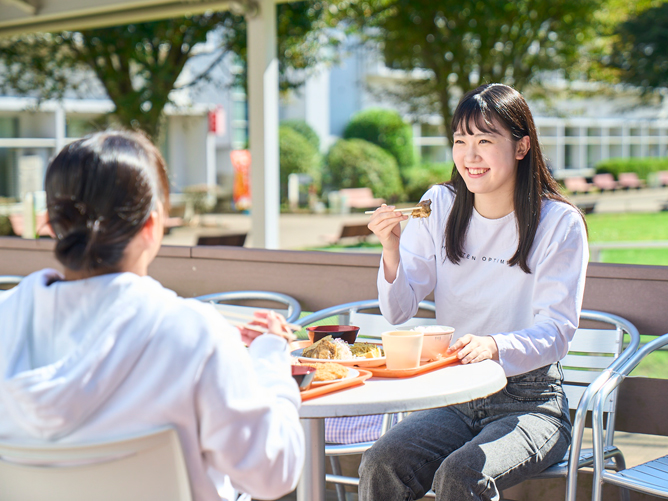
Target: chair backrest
(139, 468)
(9, 280)
(371, 325)
(591, 352)
(291, 312)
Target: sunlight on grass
(627, 227)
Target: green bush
(305, 130)
(387, 129)
(5, 227)
(296, 156)
(641, 166)
(356, 163)
(420, 178)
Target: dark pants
(472, 451)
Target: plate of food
(332, 372)
(337, 350)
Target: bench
(359, 230)
(578, 185)
(233, 240)
(359, 198)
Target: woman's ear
(523, 146)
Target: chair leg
(336, 470)
(620, 464)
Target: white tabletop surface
(447, 386)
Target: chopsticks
(409, 209)
(244, 316)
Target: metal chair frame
(10, 280)
(293, 306)
(650, 477)
(348, 314)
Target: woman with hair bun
(505, 255)
(103, 351)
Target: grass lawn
(630, 227)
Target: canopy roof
(24, 16)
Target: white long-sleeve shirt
(532, 317)
(117, 355)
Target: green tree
(465, 43)
(138, 64)
(640, 49)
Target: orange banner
(241, 163)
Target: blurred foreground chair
(354, 435)
(290, 307)
(648, 478)
(139, 468)
(593, 357)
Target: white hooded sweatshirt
(116, 355)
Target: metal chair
(9, 280)
(592, 357)
(650, 477)
(292, 311)
(371, 327)
(149, 466)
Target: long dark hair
(100, 191)
(484, 107)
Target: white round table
(447, 386)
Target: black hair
(100, 191)
(484, 107)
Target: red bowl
(304, 375)
(346, 332)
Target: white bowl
(436, 341)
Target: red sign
(217, 121)
(241, 163)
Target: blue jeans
(472, 451)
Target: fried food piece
(424, 210)
(366, 350)
(329, 371)
(328, 349)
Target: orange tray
(332, 387)
(383, 371)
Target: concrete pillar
(263, 125)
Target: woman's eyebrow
(491, 133)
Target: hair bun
(71, 249)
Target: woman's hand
(475, 348)
(268, 322)
(385, 224)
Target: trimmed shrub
(387, 129)
(356, 163)
(296, 156)
(5, 227)
(641, 166)
(305, 130)
(420, 178)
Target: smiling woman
(505, 256)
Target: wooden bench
(233, 240)
(359, 198)
(360, 230)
